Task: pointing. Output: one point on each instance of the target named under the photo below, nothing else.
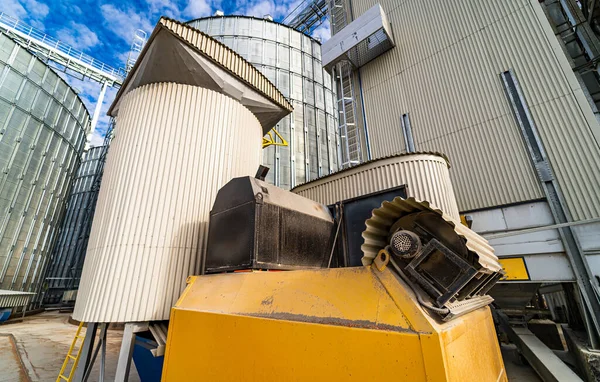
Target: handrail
(11, 23)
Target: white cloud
(30, 11)
(167, 8)
(322, 32)
(78, 36)
(37, 9)
(14, 8)
(124, 23)
(123, 57)
(198, 8)
(260, 8)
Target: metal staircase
(343, 75)
(349, 132)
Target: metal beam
(101, 345)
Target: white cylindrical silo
(176, 145)
(425, 174)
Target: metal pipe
(96, 113)
(542, 228)
(365, 124)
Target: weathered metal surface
(425, 174)
(255, 225)
(177, 145)
(327, 323)
(13, 299)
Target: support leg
(124, 363)
(101, 343)
(86, 352)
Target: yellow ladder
(70, 356)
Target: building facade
(490, 85)
(292, 61)
(68, 254)
(43, 126)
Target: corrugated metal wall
(66, 262)
(177, 144)
(445, 73)
(43, 125)
(426, 175)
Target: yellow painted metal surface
(515, 268)
(332, 324)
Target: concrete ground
(40, 345)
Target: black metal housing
(255, 225)
(353, 213)
(440, 271)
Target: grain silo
(43, 125)
(292, 61)
(190, 117)
(66, 263)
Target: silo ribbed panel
(426, 176)
(176, 146)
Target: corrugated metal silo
(67, 257)
(425, 174)
(43, 125)
(190, 117)
(292, 61)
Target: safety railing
(10, 23)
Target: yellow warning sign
(515, 269)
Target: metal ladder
(343, 74)
(70, 356)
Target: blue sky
(104, 29)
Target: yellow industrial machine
(416, 311)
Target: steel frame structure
(307, 16)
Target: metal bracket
(382, 260)
(271, 140)
(544, 171)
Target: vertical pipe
(364, 115)
(96, 114)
